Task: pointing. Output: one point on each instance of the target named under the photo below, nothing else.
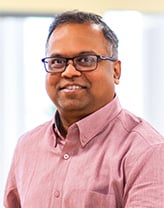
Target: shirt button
(57, 194)
(66, 156)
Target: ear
(117, 71)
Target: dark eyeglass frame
(73, 59)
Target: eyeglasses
(82, 63)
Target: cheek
(50, 82)
(51, 79)
(47, 82)
(101, 80)
(103, 86)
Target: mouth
(71, 88)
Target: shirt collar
(93, 124)
(56, 124)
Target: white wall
(142, 54)
(154, 70)
(23, 100)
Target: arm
(145, 180)
(11, 197)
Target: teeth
(73, 87)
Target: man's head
(81, 18)
(80, 80)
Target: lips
(72, 87)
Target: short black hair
(80, 17)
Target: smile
(73, 87)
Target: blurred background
(24, 25)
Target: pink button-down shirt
(110, 159)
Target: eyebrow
(87, 52)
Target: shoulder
(139, 128)
(35, 136)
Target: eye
(86, 60)
(56, 62)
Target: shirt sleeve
(145, 180)
(11, 196)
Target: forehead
(77, 37)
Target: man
(93, 154)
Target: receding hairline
(79, 17)
(97, 27)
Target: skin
(95, 88)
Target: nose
(70, 71)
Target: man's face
(81, 93)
